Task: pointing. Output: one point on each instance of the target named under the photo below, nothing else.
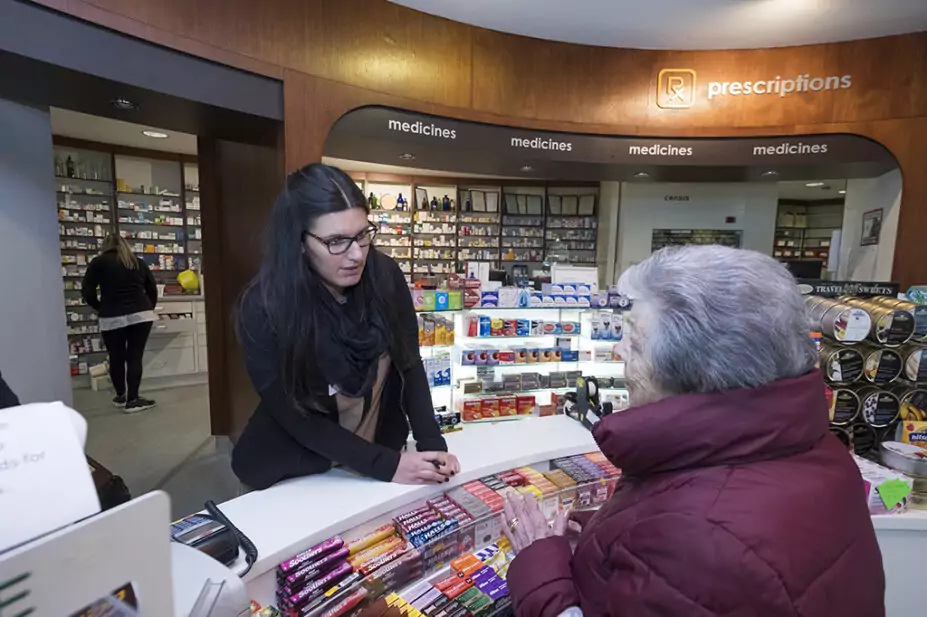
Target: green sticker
(892, 492)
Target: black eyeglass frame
(369, 232)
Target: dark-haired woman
(126, 302)
(330, 339)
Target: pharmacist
(330, 339)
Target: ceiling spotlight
(769, 174)
(527, 168)
(407, 156)
(124, 104)
(642, 175)
(842, 192)
(155, 134)
(814, 185)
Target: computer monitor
(123, 552)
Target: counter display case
(363, 513)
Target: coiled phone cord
(251, 552)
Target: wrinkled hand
(423, 468)
(524, 523)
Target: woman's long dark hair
(288, 288)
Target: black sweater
(122, 291)
(280, 442)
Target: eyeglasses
(340, 245)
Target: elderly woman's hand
(524, 523)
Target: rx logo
(676, 88)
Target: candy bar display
(444, 556)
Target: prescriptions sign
(681, 88)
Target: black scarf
(350, 339)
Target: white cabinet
(169, 362)
(177, 345)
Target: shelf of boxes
(85, 199)
(530, 370)
(446, 226)
(571, 226)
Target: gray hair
(717, 318)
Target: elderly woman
(736, 500)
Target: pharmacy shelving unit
(523, 227)
(479, 225)
(152, 201)
(595, 357)
(571, 226)
(506, 223)
(435, 231)
(394, 221)
(804, 229)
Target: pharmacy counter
(903, 540)
(296, 514)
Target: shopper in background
(126, 302)
(735, 498)
(331, 345)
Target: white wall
(644, 208)
(33, 335)
(869, 263)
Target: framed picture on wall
(872, 227)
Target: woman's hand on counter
(423, 468)
(449, 465)
(525, 523)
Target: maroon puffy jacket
(739, 503)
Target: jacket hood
(735, 426)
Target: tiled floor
(169, 447)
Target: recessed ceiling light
(769, 174)
(814, 185)
(407, 156)
(527, 168)
(124, 104)
(155, 134)
(642, 175)
(842, 192)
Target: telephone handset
(215, 535)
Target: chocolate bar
(316, 551)
(314, 588)
(341, 607)
(377, 535)
(314, 569)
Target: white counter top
(296, 514)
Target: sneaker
(139, 404)
(119, 401)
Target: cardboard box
(525, 405)
(490, 408)
(508, 406)
(472, 410)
